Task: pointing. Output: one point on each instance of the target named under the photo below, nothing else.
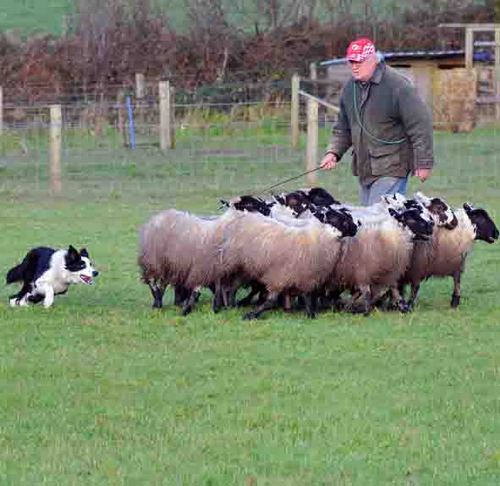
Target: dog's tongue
(87, 280)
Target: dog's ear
(84, 252)
(72, 254)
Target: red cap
(360, 49)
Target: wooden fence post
(469, 48)
(312, 139)
(172, 117)
(55, 148)
(313, 71)
(295, 110)
(139, 86)
(120, 103)
(167, 120)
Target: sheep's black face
(297, 201)
(321, 197)
(486, 229)
(420, 226)
(252, 204)
(412, 204)
(340, 219)
(443, 212)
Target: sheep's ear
(467, 207)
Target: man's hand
(329, 161)
(423, 174)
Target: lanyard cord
(363, 129)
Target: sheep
(180, 249)
(285, 258)
(377, 257)
(445, 254)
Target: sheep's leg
(286, 301)
(415, 287)
(270, 303)
(217, 300)
(157, 291)
(366, 305)
(189, 304)
(230, 297)
(335, 296)
(455, 298)
(310, 302)
(180, 295)
(398, 300)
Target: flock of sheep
(304, 248)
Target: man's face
(363, 71)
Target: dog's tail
(19, 272)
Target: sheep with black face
(444, 255)
(297, 258)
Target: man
(387, 124)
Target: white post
(295, 110)
(469, 47)
(55, 148)
(167, 118)
(139, 86)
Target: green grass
(37, 16)
(100, 389)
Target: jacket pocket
(385, 160)
(354, 164)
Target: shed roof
(406, 55)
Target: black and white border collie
(45, 272)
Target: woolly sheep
(445, 253)
(378, 256)
(285, 258)
(180, 249)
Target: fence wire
(222, 148)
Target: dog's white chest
(50, 278)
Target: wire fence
(228, 140)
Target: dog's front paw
(13, 302)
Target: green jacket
(390, 111)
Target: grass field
(37, 16)
(101, 389)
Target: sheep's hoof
(311, 315)
(455, 301)
(250, 316)
(186, 310)
(404, 307)
(157, 305)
